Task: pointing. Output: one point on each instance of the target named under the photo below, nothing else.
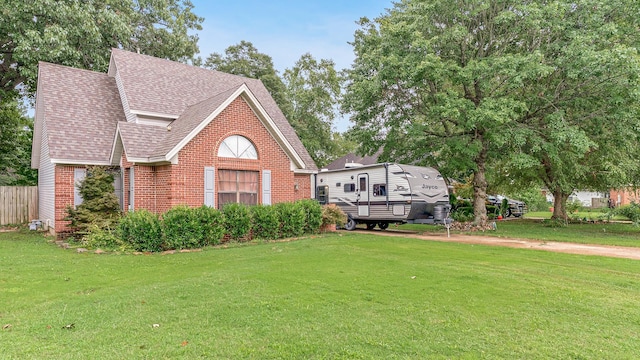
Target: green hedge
(185, 228)
(292, 219)
(312, 215)
(237, 221)
(189, 228)
(265, 222)
(141, 230)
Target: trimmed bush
(292, 219)
(141, 230)
(182, 229)
(312, 215)
(237, 220)
(212, 223)
(265, 223)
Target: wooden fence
(18, 204)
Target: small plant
(332, 214)
(237, 220)
(504, 207)
(574, 207)
(141, 230)
(105, 239)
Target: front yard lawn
(344, 295)
(620, 234)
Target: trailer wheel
(370, 226)
(383, 225)
(350, 225)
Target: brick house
(625, 196)
(173, 134)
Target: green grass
(347, 296)
(620, 234)
(589, 215)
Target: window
(349, 187)
(363, 184)
(379, 189)
(238, 147)
(237, 186)
(79, 174)
(323, 194)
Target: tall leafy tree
(313, 88)
(245, 60)
(15, 145)
(80, 33)
(470, 86)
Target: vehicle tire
(507, 213)
(383, 225)
(350, 225)
(370, 226)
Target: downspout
(386, 181)
(315, 186)
(155, 189)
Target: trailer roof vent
(352, 165)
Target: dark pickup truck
(516, 208)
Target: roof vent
(352, 165)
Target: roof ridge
(67, 67)
(174, 63)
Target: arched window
(239, 147)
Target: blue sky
(286, 29)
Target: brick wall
(623, 197)
(158, 188)
(65, 188)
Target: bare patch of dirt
(562, 247)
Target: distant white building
(584, 197)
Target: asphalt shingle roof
(81, 109)
(171, 88)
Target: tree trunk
(480, 188)
(559, 205)
(480, 198)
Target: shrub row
(185, 228)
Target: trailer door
(363, 195)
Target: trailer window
(323, 194)
(349, 187)
(379, 189)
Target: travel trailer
(381, 194)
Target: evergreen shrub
(100, 208)
(182, 229)
(237, 221)
(312, 215)
(265, 223)
(292, 219)
(212, 223)
(141, 230)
